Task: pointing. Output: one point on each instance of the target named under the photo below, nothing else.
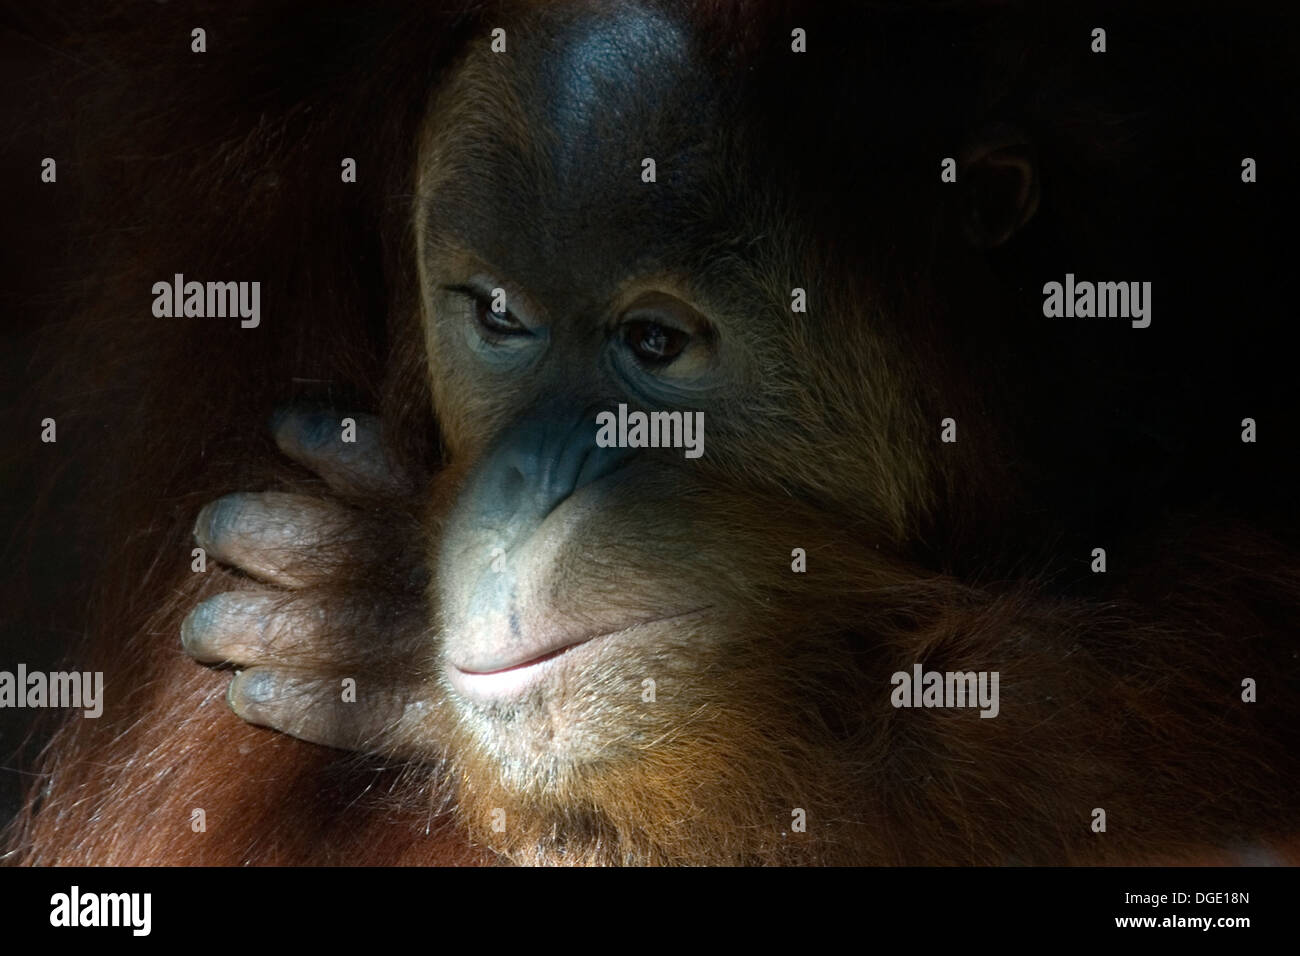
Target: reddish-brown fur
(241, 177)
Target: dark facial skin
(608, 648)
(603, 615)
(535, 563)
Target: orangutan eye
(494, 324)
(654, 343)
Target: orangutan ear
(999, 171)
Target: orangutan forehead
(575, 90)
(540, 143)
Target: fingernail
(259, 686)
(215, 517)
(196, 623)
(255, 687)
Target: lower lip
(514, 681)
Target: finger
(289, 540)
(253, 627)
(350, 457)
(318, 711)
